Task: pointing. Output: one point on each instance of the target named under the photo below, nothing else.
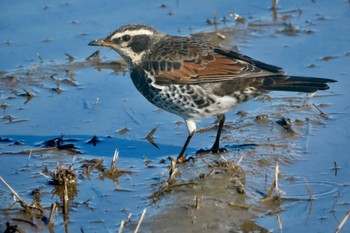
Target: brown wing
(190, 61)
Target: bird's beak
(101, 42)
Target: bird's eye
(126, 38)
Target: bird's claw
(184, 159)
(213, 150)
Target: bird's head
(131, 41)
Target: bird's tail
(296, 83)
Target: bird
(195, 79)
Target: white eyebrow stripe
(133, 33)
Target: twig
(173, 170)
(65, 198)
(166, 187)
(30, 151)
(269, 193)
(343, 222)
(21, 202)
(335, 202)
(12, 190)
(44, 175)
(129, 216)
(238, 206)
(336, 168)
(308, 98)
(240, 160)
(53, 210)
(310, 194)
(28, 93)
(274, 186)
(321, 112)
(70, 73)
(150, 137)
(139, 223)
(277, 172)
(274, 4)
(115, 159)
(279, 219)
(40, 58)
(223, 158)
(197, 201)
(121, 226)
(30, 154)
(308, 189)
(209, 164)
(32, 224)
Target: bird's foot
(184, 159)
(212, 150)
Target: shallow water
(90, 99)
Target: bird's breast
(187, 101)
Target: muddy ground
(67, 111)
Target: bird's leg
(191, 126)
(182, 158)
(216, 146)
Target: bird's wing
(196, 62)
